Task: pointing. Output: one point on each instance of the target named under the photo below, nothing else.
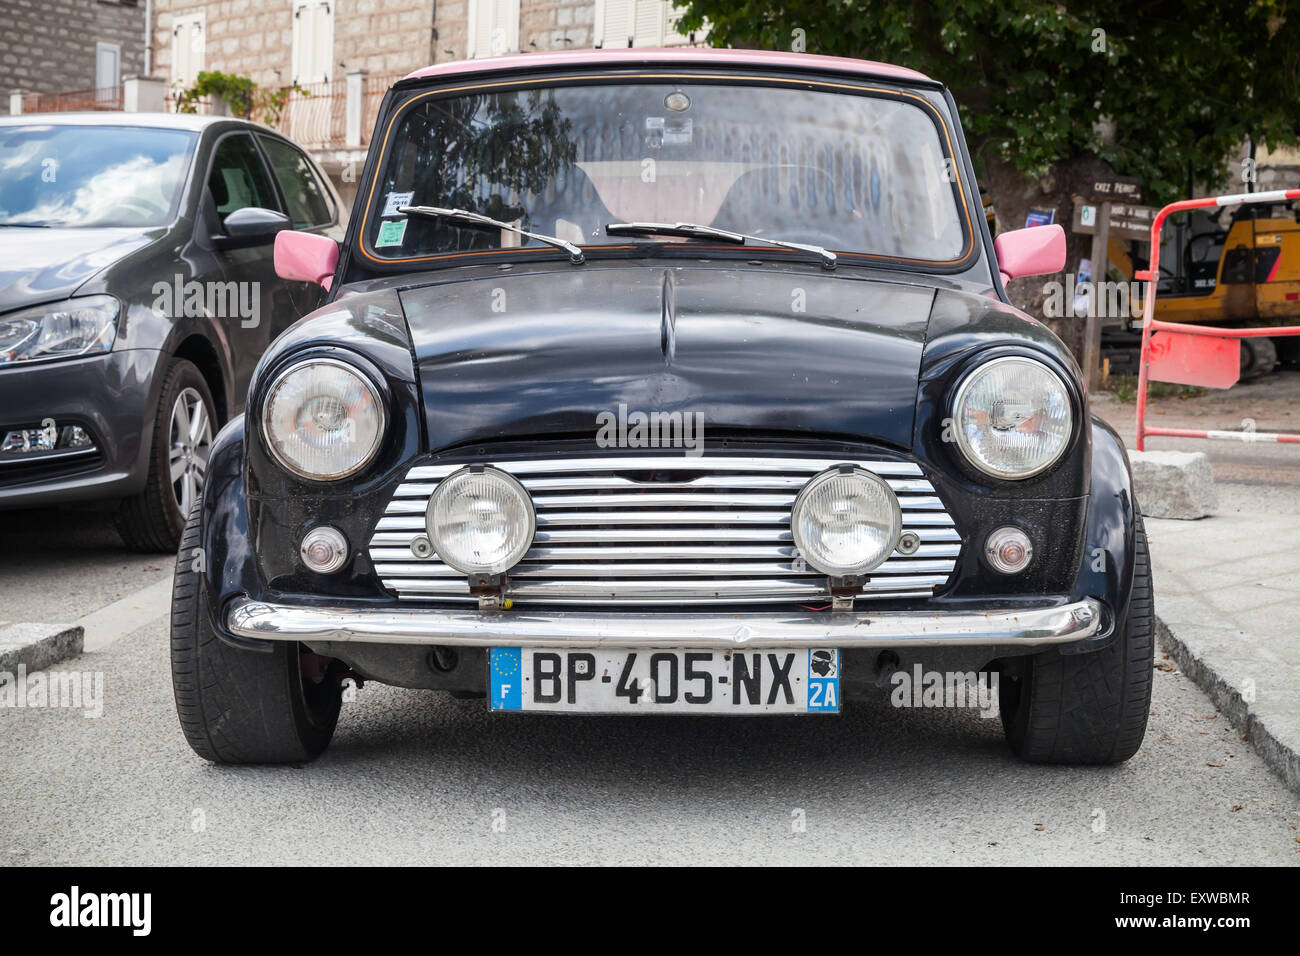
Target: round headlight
(1013, 417)
(846, 522)
(481, 520)
(323, 419)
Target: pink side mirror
(1036, 251)
(306, 257)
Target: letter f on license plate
(602, 681)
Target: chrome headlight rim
(499, 567)
(376, 396)
(969, 378)
(800, 502)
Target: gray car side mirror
(251, 226)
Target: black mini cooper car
(665, 382)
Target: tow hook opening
(443, 659)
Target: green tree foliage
(1163, 90)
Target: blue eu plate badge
(505, 664)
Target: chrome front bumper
(281, 622)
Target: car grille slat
(553, 486)
(671, 463)
(417, 569)
(665, 530)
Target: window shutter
(616, 24)
(648, 28)
(301, 27)
(187, 50)
(479, 30)
(493, 28)
(506, 19)
(322, 43)
(313, 41)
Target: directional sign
(1126, 221)
(1117, 189)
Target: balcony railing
(74, 101)
(315, 114)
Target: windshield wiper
(690, 230)
(478, 219)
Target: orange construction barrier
(1196, 354)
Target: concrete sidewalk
(1227, 594)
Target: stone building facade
(57, 46)
(314, 41)
(341, 51)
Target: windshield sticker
(668, 132)
(394, 201)
(677, 132)
(391, 233)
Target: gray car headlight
(846, 521)
(481, 520)
(74, 327)
(323, 419)
(1013, 417)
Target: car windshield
(866, 174)
(87, 176)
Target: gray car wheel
(181, 442)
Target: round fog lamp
(1009, 550)
(324, 550)
(846, 521)
(481, 520)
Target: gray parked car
(137, 292)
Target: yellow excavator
(1233, 267)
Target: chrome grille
(614, 531)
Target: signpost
(1102, 218)
(1123, 220)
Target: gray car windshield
(88, 176)
(865, 174)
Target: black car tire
(243, 706)
(1087, 708)
(152, 520)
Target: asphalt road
(416, 777)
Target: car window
(864, 173)
(302, 192)
(239, 178)
(74, 176)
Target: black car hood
(41, 265)
(541, 354)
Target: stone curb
(38, 646)
(1278, 752)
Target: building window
(313, 41)
(634, 23)
(493, 28)
(188, 38)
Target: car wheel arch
(200, 351)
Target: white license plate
(603, 681)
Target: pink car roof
(623, 58)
